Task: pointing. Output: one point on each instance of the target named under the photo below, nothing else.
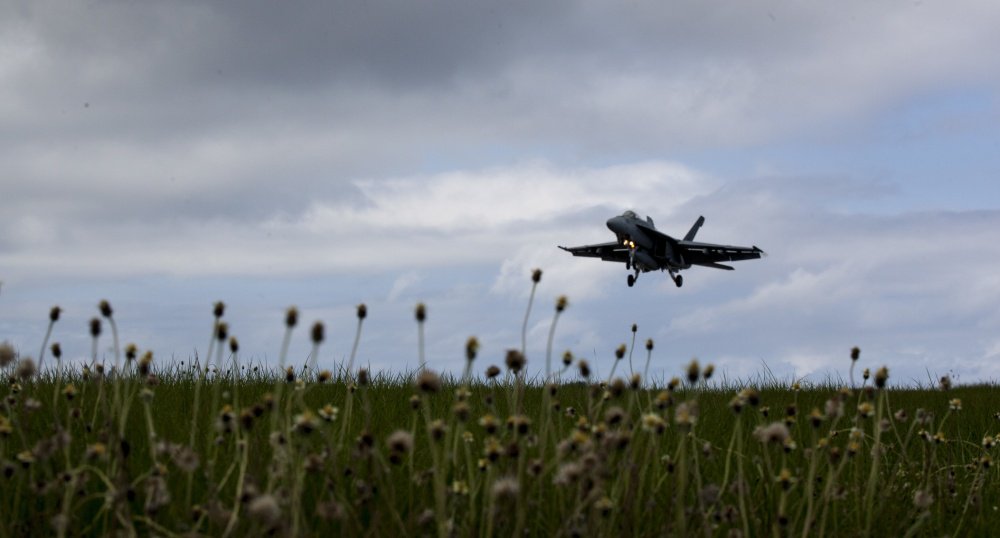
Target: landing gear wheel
(679, 280)
(631, 280)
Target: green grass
(163, 449)
(600, 469)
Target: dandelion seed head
(775, 432)
(26, 368)
(506, 488)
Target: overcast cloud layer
(166, 154)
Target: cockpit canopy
(629, 214)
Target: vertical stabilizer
(694, 229)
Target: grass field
(169, 450)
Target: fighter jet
(642, 249)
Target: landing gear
(631, 280)
(679, 280)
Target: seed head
(291, 317)
(420, 312)
(218, 309)
(471, 348)
(561, 303)
(492, 371)
(54, 314)
(56, 350)
(922, 499)
(785, 478)
(506, 489)
(881, 375)
(514, 360)
(652, 422)
(776, 432)
(536, 276)
(945, 383)
(95, 327)
(584, 367)
(7, 354)
(221, 331)
(708, 371)
(567, 358)
(26, 368)
(264, 508)
(649, 344)
(234, 344)
(317, 333)
(955, 404)
(620, 352)
(866, 374)
(693, 371)
(428, 381)
(105, 308)
(855, 353)
(362, 311)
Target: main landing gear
(631, 280)
(678, 279)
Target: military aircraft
(642, 249)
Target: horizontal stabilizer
(716, 266)
(694, 229)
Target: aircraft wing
(709, 255)
(610, 252)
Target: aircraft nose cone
(612, 223)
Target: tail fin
(694, 229)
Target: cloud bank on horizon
(166, 155)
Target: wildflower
(736, 403)
(673, 384)
(95, 327)
(614, 415)
(69, 391)
(414, 402)
(324, 376)
(708, 371)
(881, 375)
(291, 317)
(26, 457)
(693, 371)
(328, 413)
(945, 383)
(459, 487)
(567, 474)
(5, 427)
(56, 350)
(955, 404)
(420, 312)
(482, 464)
(584, 367)
(567, 358)
(815, 417)
(105, 308)
(26, 368)
(461, 411)
(518, 423)
(939, 437)
(221, 332)
(985, 461)
(785, 479)
(561, 303)
(620, 352)
(852, 448)
(428, 381)
(796, 386)
(855, 353)
(145, 362)
(900, 415)
(989, 442)
(866, 409)
(776, 432)
(363, 377)
(218, 309)
(604, 505)
(437, 429)
(362, 311)
(866, 374)
(536, 276)
(635, 381)
(468, 437)
(471, 348)
(317, 333)
(130, 352)
(922, 499)
(400, 441)
(686, 414)
(492, 371)
(264, 508)
(506, 488)
(617, 387)
(489, 423)
(492, 449)
(514, 360)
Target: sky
(165, 155)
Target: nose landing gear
(631, 280)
